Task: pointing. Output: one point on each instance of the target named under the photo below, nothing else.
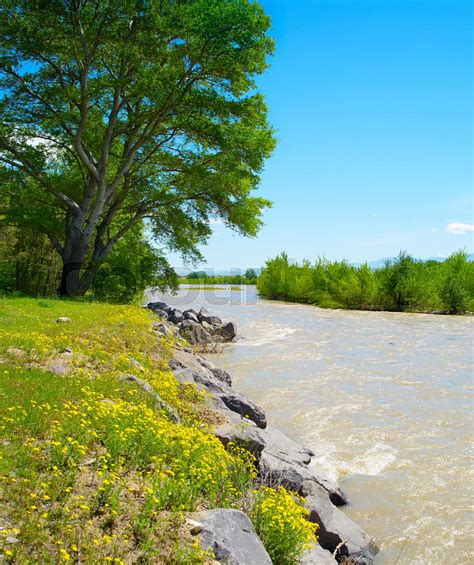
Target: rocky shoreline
(280, 460)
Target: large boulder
(205, 317)
(230, 536)
(222, 375)
(227, 331)
(191, 315)
(157, 305)
(194, 332)
(233, 428)
(231, 399)
(175, 315)
(275, 468)
(337, 532)
(317, 556)
(282, 446)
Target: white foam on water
(371, 463)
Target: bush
(281, 522)
(404, 284)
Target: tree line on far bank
(201, 278)
(404, 284)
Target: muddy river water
(384, 400)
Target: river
(383, 399)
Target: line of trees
(201, 277)
(404, 284)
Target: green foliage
(402, 285)
(29, 265)
(281, 522)
(202, 278)
(117, 112)
(133, 266)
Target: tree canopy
(119, 113)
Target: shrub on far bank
(405, 284)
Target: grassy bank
(404, 285)
(91, 468)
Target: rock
(222, 375)
(231, 399)
(175, 316)
(204, 315)
(317, 556)
(157, 306)
(63, 320)
(280, 445)
(15, 352)
(184, 376)
(194, 526)
(161, 313)
(227, 331)
(163, 329)
(215, 321)
(336, 495)
(184, 359)
(59, 369)
(162, 404)
(239, 431)
(229, 534)
(208, 327)
(194, 332)
(191, 315)
(276, 469)
(338, 531)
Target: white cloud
(459, 228)
(216, 221)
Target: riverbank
(121, 444)
(384, 400)
(403, 284)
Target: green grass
(91, 469)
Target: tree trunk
(71, 279)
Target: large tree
(119, 112)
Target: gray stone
(280, 445)
(203, 315)
(184, 376)
(15, 352)
(233, 400)
(161, 313)
(215, 321)
(338, 531)
(275, 469)
(227, 331)
(175, 316)
(231, 537)
(163, 329)
(222, 375)
(157, 305)
(191, 315)
(194, 332)
(242, 432)
(317, 556)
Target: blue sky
(372, 103)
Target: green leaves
(140, 106)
